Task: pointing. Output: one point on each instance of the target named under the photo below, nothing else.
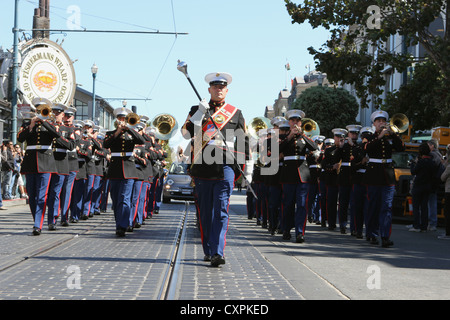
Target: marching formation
(326, 181)
(72, 167)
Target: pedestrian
(380, 178)
(3, 159)
(446, 178)
(295, 176)
(122, 168)
(437, 159)
(422, 169)
(214, 167)
(7, 168)
(17, 179)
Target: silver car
(178, 184)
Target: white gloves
(197, 118)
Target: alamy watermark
(376, 16)
(74, 278)
(74, 20)
(374, 280)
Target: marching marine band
(71, 166)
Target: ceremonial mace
(182, 67)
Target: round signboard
(46, 71)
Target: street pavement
(86, 261)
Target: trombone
(399, 123)
(310, 128)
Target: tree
(422, 99)
(356, 53)
(329, 107)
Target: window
(82, 110)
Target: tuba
(310, 128)
(44, 112)
(257, 124)
(165, 125)
(399, 123)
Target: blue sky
(252, 40)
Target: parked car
(178, 184)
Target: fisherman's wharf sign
(46, 71)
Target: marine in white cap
(380, 178)
(295, 175)
(206, 124)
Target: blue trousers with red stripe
(379, 215)
(37, 188)
(54, 197)
(66, 194)
(294, 206)
(213, 201)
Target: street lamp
(94, 70)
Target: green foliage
(348, 55)
(424, 99)
(329, 107)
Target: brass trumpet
(45, 112)
(132, 120)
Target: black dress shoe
(120, 233)
(386, 243)
(299, 239)
(51, 227)
(130, 229)
(343, 231)
(207, 257)
(374, 241)
(64, 224)
(286, 235)
(217, 260)
(36, 231)
(84, 217)
(137, 225)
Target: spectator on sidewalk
(437, 159)
(17, 177)
(3, 159)
(446, 178)
(7, 168)
(422, 169)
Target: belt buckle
(123, 154)
(38, 147)
(383, 160)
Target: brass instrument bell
(310, 127)
(257, 124)
(399, 123)
(165, 125)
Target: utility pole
(15, 72)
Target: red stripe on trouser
(45, 202)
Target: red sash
(221, 117)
